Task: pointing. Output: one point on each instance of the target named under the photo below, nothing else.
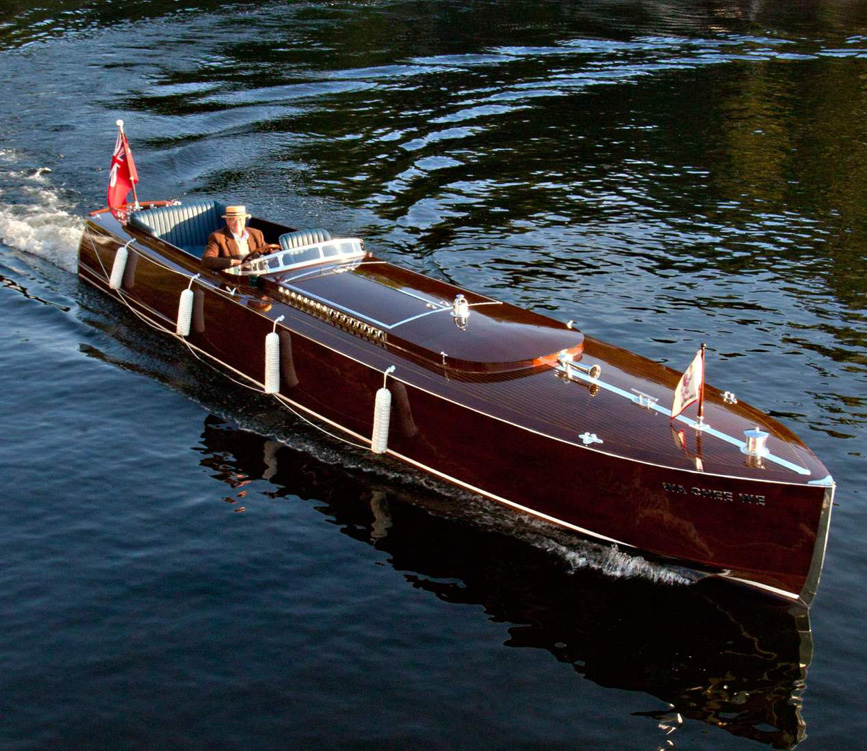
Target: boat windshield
(330, 251)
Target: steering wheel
(265, 250)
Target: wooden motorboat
(508, 403)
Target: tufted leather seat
(292, 240)
(186, 226)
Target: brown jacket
(222, 248)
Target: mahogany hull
(502, 435)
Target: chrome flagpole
(701, 423)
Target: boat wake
(616, 563)
(578, 553)
(34, 219)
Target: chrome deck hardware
(461, 311)
(644, 400)
(756, 439)
(568, 365)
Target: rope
(285, 402)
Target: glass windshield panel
(329, 250)
(302, 255)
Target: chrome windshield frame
(281, 261)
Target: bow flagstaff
(123, 175)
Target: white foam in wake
(33, 220)
(616, 563)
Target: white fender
(185, 312)
(381, 417)
(118, 267)
(272, 363)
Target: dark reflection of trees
(715, 653)
(35, 20)
(419, 27)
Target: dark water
(185, 567)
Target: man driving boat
(234, 243)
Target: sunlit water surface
(186, 567)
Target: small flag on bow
(690, 387)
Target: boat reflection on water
(713, 651)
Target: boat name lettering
(716, 495)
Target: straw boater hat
(236, 212)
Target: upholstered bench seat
(186, 226)
(302, 237)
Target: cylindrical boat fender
(272, 360)
(272, 363)
(381, 417)
(118, 267)
(185, 309)
(185, 312)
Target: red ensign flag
(123, 172)
(689, 386)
